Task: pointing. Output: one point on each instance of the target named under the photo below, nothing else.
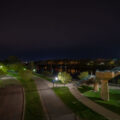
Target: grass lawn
(44, 77)
(77, 107)
(113, 104)
(47, 78)
(33, 107)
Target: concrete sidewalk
(55, 109)
(94, 106)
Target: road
(11, 102)
(55, 109)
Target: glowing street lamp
(56, 78)
(1, 66)
(34, 70)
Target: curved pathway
(11, 103)
(94, 106)
(55, 109)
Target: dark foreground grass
(77, 107)
(43, 76)
(33, 107)
(113, 104)
(85, 88)
(47, 78)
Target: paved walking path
(95, 107)
(11, 103)
(53, 106)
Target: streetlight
(1, 66)
(34, 70)
(56, 78)
(53, 81)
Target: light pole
(53, 81)
(56, 79)
(1, 66)
(34, 70)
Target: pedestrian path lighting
(56, 78)
(53, 81)
(1, 66)
(34, 70)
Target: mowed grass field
(113, 104)
(77, 107)
(33, 107)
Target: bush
(83, 75)
(64, 77)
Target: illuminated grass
(33, 107)
(113, 104)
(43, 76)
(47, 78)
(77, 107)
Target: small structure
(104, 77)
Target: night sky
(60, 29)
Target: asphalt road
(55, 109)
(11, 102)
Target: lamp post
(53, 81)
(1, 66)
(56, 79)
(34, 70)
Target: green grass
(44, 77)
(77, 107)
(33, 107)
(85, 88)
(47, 78)
(113, 104)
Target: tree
(83, 75)
(64, 77)
(3, 69)
(16, 67)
